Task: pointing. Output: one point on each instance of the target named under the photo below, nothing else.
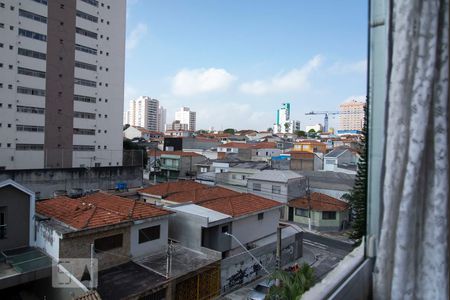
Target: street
(322, 253)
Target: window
(86, 16)
(224, 228)
(33, 35)
(82, 131)
(41, 1)
(2, 25)
(108, 243)
(257, 187)
(30, 128)
(260, 216)
(86, 49)
(328, 215)
(149, 234)
(83, 65)
(233, 176)
(3, 222)
(276, 189)
(30, 147)
(30, 91)
(32, 16)
(84, 98)
(30, 109)
(31, 53)
(86, 32)
(30, 72)
(85, 82)
(83, 148)
(302, 212)
(91, 2)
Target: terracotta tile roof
(180, 153)
(168, 188)
(319, 202)
(97, 210)
(301, 154)
(237, 145)
(265, 145)
(239, 205)
(200, 195)
(306, 142)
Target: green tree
(357, 197)
(287, 126)
(229, 131)
(292, 284)
(132, 152)
(311, 133)
(300, 133)
(270, 129)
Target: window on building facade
(328, 215)
(108, 243)
(3, 222)
(302, 212)
(260, 216)
(149, 234)
(276, 189)
(257, 187)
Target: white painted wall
(250, 229)
(150, 247)
(47, 239)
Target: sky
(234, 62)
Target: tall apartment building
(186, 116)
(284, 124)
(61, 83)
(351, 116)
(147, 113)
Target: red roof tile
(239, 205)
(200, 195)
(180, 153)
(265, 145)
(97, 210)
(319, 202)
(168, 188)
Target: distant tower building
(351, 117)
(284, 124)
(162, 112)
(186, 116)
(144, 113)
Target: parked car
(261, 290)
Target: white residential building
(61, 83)
(162, 114)
(351, 117)
(284, 124)
(144, 113)
(186, 116)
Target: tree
(311, 133)
(300, 133)
(270, 129)
(357, 197)
(287, 125)
(292, 284)
(229, 131)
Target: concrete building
(316, 128)
(351, 117)
(140, 132)
(62, 83)
(161, 117)
(310, 146)
(179, 164)
(177, 126)
(284, 124)
(145, 112)
(341, 159)
(321, 211)
(186, 116)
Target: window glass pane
(149, 234)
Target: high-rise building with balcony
(284, 124)
(351, 117)
(186, 116)
(61, 83)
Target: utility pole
(278, 259)
(92, 267)
(308, 194)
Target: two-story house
(179, 164)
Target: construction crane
(326, 113)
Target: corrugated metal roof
(275, 175)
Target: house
(264, 151)
(156, 193)
(242, 151)
(341, 159)
(310, 146)
(334, 184)
(139, 132)
(192, 144)
(21, 261)
(237, 173)
(306, 160)
(179, 164)
(279, 185)
(323, 212)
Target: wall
(266, 190)
(188, 164)
(149, 247)
(186, 229)
(332, 193)
(323, 225)
(241, 269)
(45, 181)
(215, 239)
(250, 229)
(80, 247)
(296, 188)
(17, 205)
(47, 239)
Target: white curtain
(411, 259)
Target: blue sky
(235, 61)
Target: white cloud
(196, 81)
(136, 35)
(359, 98)
(294, 80)
(341, 68)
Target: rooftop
(168, 188)
(338, 152)
(275, 175)
(199, 195)
(194, 209)
(329, 180)
(319, 202)
(180, 153)
(239, 205)
(237, 145)
(97, 210)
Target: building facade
(186, 116)
(284, 124)
(61, 83)
(351, 116)
(145, 112)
